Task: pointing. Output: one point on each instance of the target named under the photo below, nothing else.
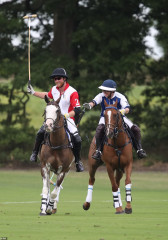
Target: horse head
(52, 115)
(112, 118)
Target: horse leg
(54, 194)
(92, 170)
(128, 208)
(56, 200)
(119, 175)
(45, 191)
(115, 186)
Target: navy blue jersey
(121, 99)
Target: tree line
(93, 40)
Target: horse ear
(105, 103)
(58, 100)
(115, 104)
(46, 99)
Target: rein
(54, 130)
(116, 131)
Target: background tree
(94, 40)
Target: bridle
(56, 122)
(116, 130)
(55, 127)
(112, 126)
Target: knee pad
(100, 131)
(76, 138)
(135, 129)
(40, 133)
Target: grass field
(20, 207)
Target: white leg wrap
(89, 194)
(52, 200)
(128, 192)
(119, 197)
(44, 203)
(116, 200)
(58, 193)
(55, 204)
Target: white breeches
(71, 125)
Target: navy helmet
(59, 72)
(108, 85)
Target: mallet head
(30, 16)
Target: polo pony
(116, 155)
(55, 155)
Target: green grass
(22, 221)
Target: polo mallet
(81, 116)
(29, 17)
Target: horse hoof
(86, 206)
(42, 214)
(48, 212)
(54, 211)
(128, 210)
(122, 212)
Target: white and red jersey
(69, 99)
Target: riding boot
(39, 139)
(76, 139)
(99, 141)
(136, 138)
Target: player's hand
(87, 106)
(122, 111)
(30, 89)
(66, 115)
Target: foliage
(93, 40)
(15, 145)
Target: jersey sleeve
(98, 99)
(74, 100)
(124, 102)
(50, 94)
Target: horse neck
(58, 136)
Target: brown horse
(56, 154)
(117, 156)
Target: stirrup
(33, 157)
(141, 153)
(79, 166)
(97, 155)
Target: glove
(122, 111)
(30, 89)
(66, 115)
(87, 106)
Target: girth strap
(116, 149)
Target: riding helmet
(59, 72)
(108, 85)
